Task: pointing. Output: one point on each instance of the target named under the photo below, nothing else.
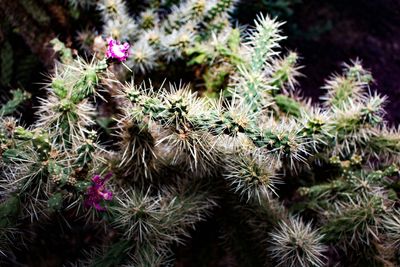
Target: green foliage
(18, 97)
(65, 52)
(55, 202)
(288, 105)
(170, 155)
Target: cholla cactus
(253, 177)
(158, 39)
(150, 160)
(296, 244)
(391, 223)
(18, 96)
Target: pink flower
(116, 50)
(97, 192)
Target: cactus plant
(308, 184)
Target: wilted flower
(97, 192)
(116, 50)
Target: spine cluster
(305, 184)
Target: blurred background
(324, 33)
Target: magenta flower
(97, 192)
(116, 50)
